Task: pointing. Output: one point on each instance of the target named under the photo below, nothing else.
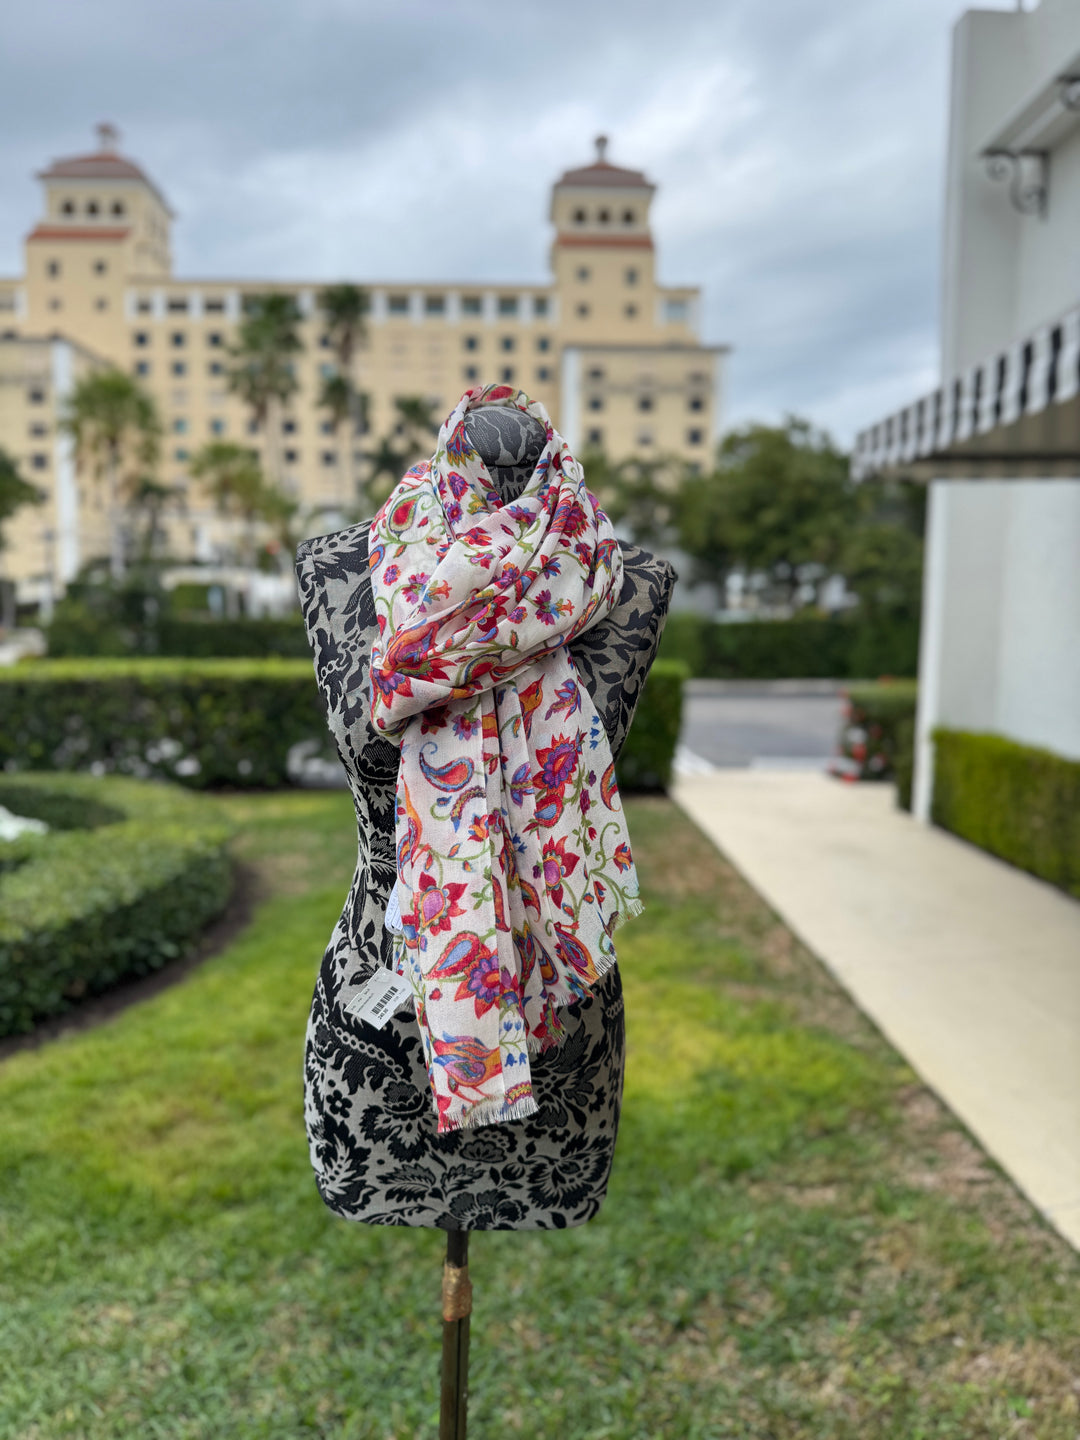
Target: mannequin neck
(509, 442)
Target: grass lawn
(797, 1242)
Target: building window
(177, 338)
(215, 368)
(67, 208)
(101, 303)
(583, 312)
(471, 372)
(582, 273)
(696, 402)
(329, 457)
(180, 454)
(328, 371)
(596, 373)
(39, 461)
(252, 427)
(179, 367)
(630, 311)
(55, 303)
(471, 342)
(397, 304)
(141, 338)
(52, 269)
(594, 438)
(288, 427)
(217, 426)
(596, 402)
(434, 304)
(543, 373)
(694, 437)
(143, 305)
(506, 343)
(325, 343)
(508, 304)
(632, 276)
(603, 216)
(675, 311)
(215, 338)
(506, 375)
(540, 304)
(38, 430)
(628, 217)
(142, 367)
(35, 396)
(177, 305)
(644, 402)
(579, 217)
(326, 427)
(292, 457)
(645, 437)
(92, 207)
(118, 207)
(543, 343)
(179, 425)
(214, 307)
(100, 267)
(472, 305)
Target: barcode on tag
(382, 994)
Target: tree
(780, 504)
(345, 308)
(232, 476)
(641, 494)
(262, 370)
(15, 492)
(149, 499)
(117, 433)
(347, 408)
(409, 441)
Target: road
(781, 724)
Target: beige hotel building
(613, 354)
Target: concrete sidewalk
(970, 967)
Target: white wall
(1004, 274)
(1001, 644)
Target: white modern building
(999, 441)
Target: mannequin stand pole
(456, 1309)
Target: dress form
(368, 1109)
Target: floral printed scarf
(514, 864)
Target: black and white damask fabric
(367, 1104)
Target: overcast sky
(797, 145)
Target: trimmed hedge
(799, 649)
(1017, 801)
(199, 722)
(122, 885)
(73, 636)
(649, 749)
(878, 731)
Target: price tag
(393, 913)
(378, 998)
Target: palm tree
(348, 409)
(409, 441)
(232, 476)
(14, 494)
(280, 511)
(117, 431)
(345, 308)
(262, 372)
(149, 499)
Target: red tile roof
(600, 172)
(629, 242)
(102, 165)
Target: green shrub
(649, 750)
(199, 722)
(878, 730)
(799, 649)
(123, 884)
(1019, 802)
(78, 633)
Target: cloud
(797, 145)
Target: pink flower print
(466, 726)
(548, 610)
(390, 574)
(622, 857)
(557, 864)
(433, 719)
(518, 614)
(453, 512)
(413, 586)
(586, 802)
(484, 984)
(437, 905)
(478, 827)
(568, 698)
(549, 565)
(458, 484)
(557, 762)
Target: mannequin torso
(370, 1121)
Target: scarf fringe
(489, 1112)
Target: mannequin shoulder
(647, 580)
(337, 556)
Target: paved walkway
(970, 967)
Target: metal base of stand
(456, 1309)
